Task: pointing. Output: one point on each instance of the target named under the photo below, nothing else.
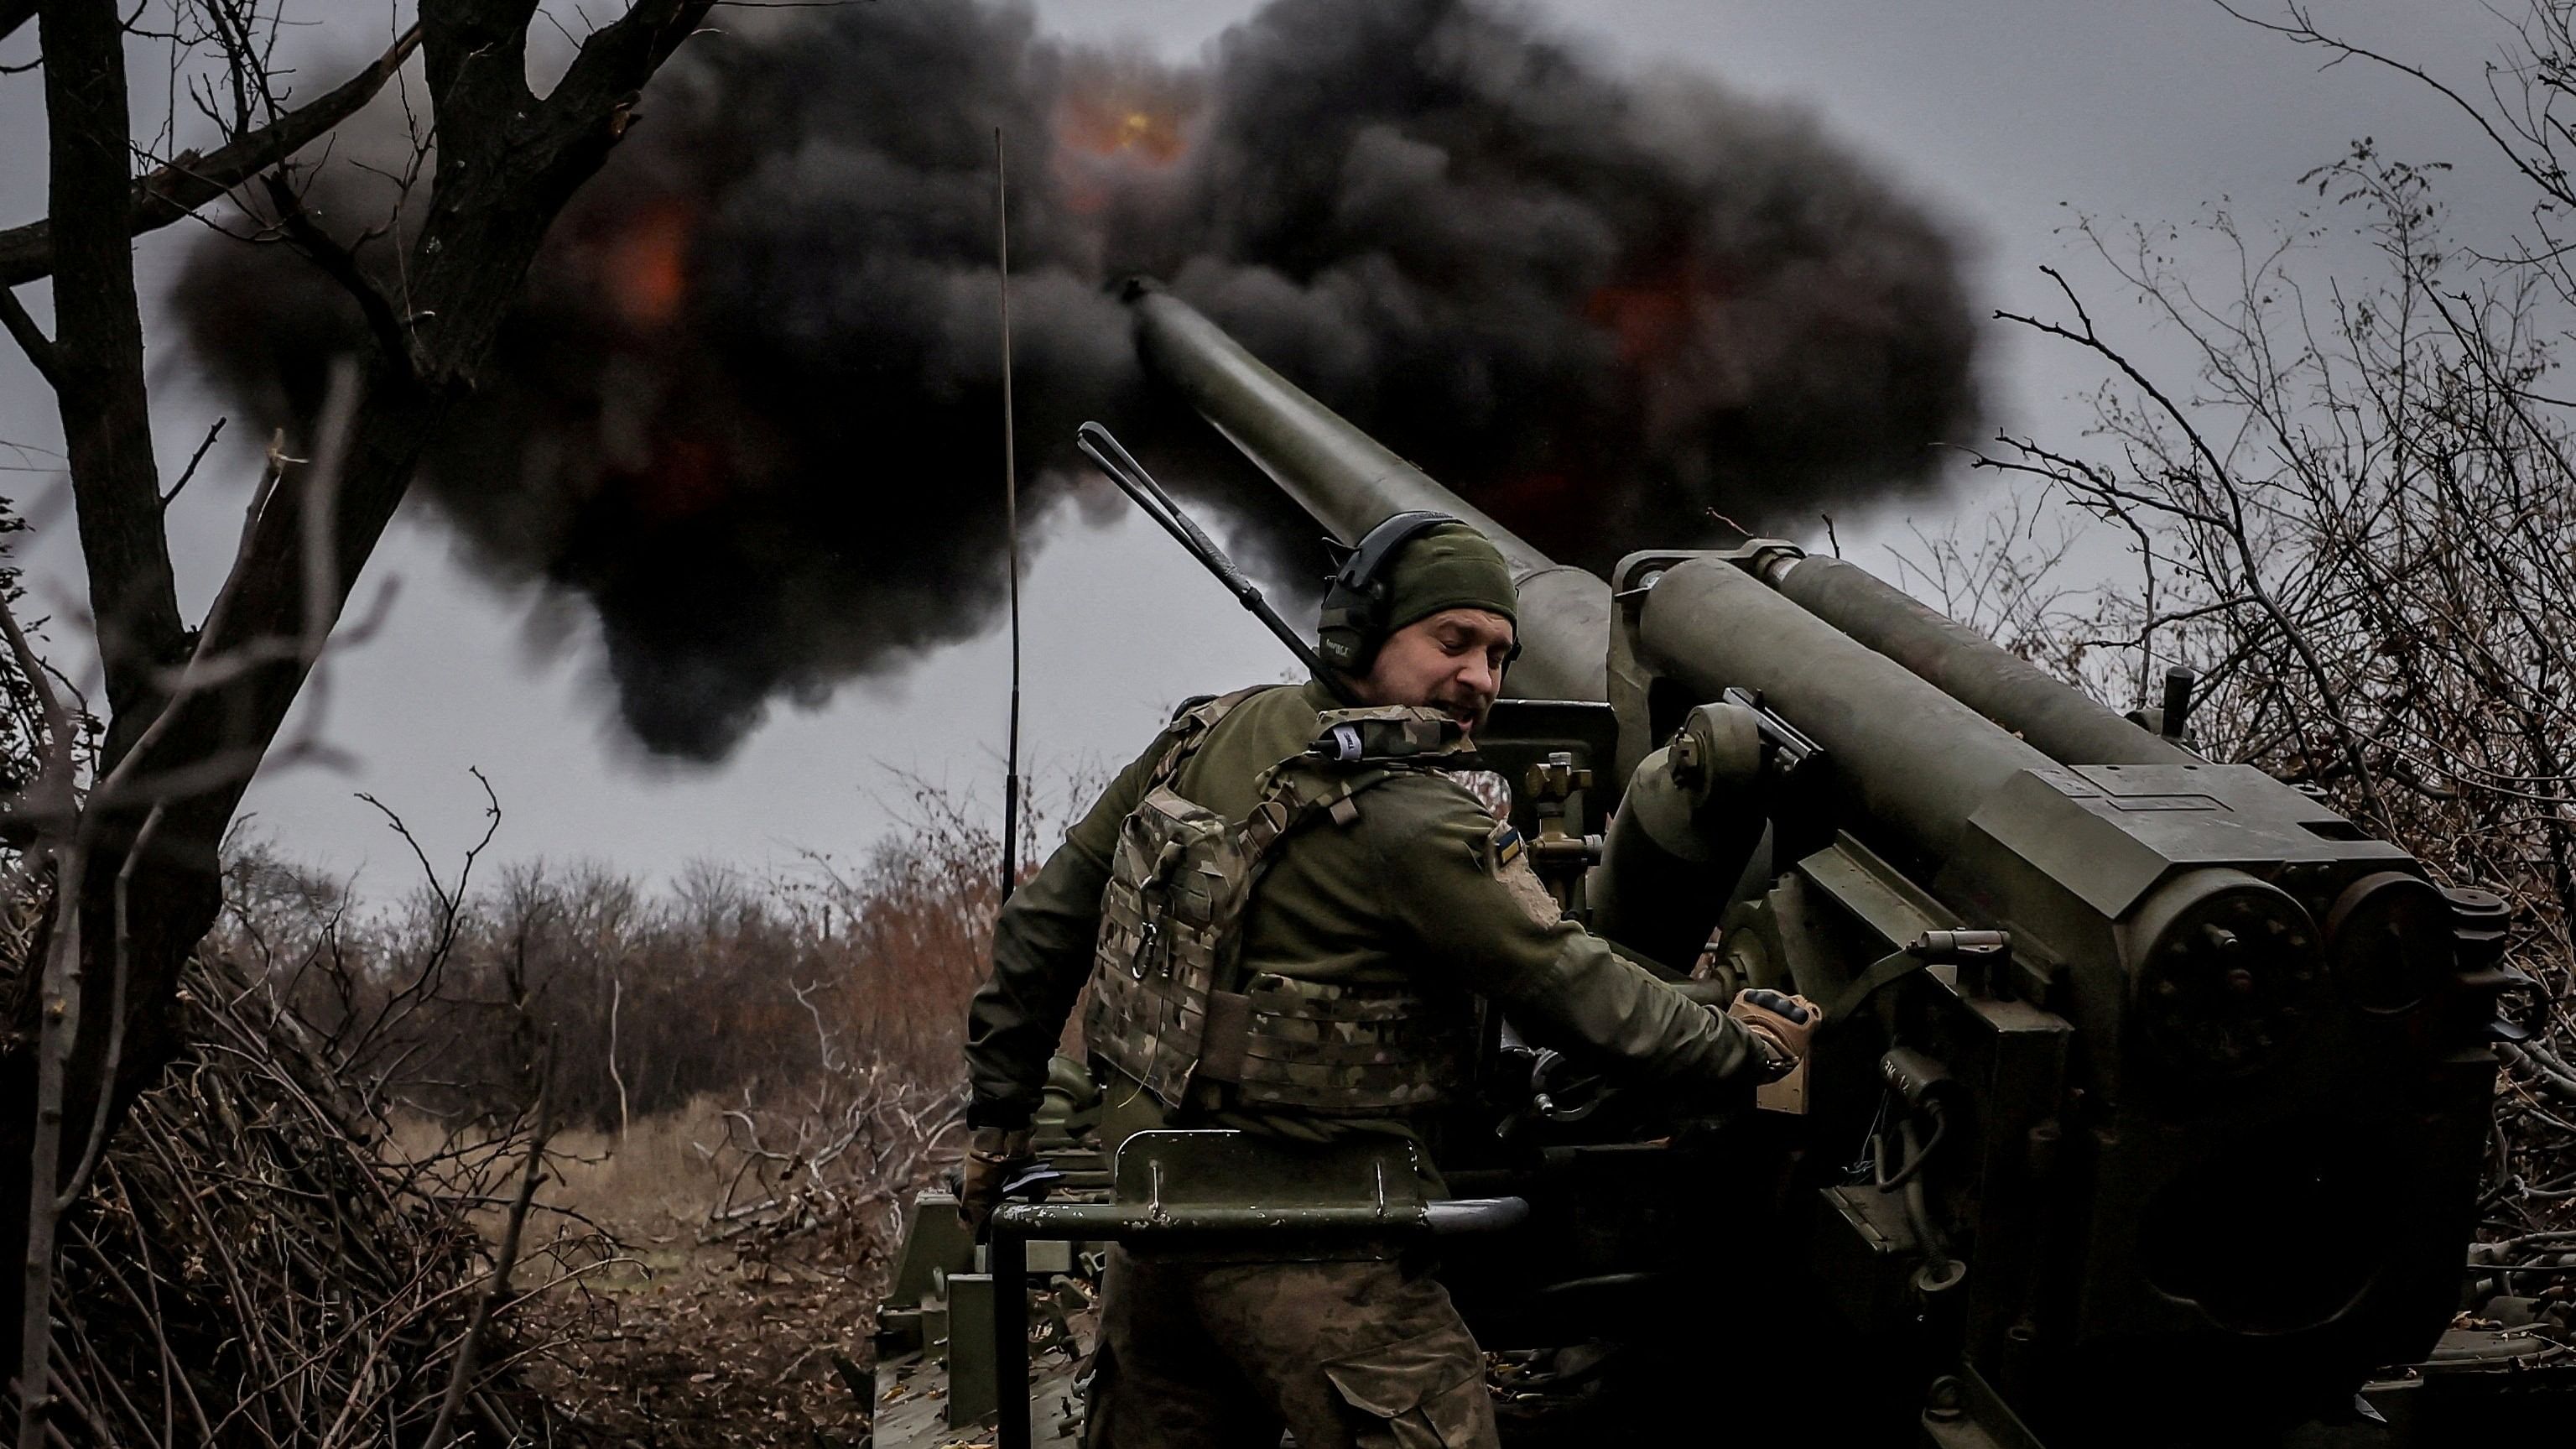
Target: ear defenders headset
(1356, 602)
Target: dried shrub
(728, 985)
(292, 1239)
(257, 1263)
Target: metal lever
(1786, 748)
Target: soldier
(1336, 887)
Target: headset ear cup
(1355, 602)
(1341, 648)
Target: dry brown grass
(661, 1170)
(658, 1171)
(739, 1283)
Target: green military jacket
(1411, 890)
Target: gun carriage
(2152, 1100)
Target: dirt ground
(680, 1342)
(707, 1350)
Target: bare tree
(191, 710)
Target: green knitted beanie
(1450, 567)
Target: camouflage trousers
(1349, 1355)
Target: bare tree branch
(2233, 524)
(2302, 29)
(30, 338)
(340, 264)
(190, 180)
(194, 459)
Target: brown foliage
(749, 989)
(289, 1241)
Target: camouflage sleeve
(1042, 945)
(1462, 888)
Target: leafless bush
(833, 1163)
(255, 1261)
(811, 1018)
(725, 985)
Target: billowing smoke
(749, 410)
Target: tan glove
(1781, 1023)
(994, 1155)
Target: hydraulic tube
(1348, 481)
(2060, 721)
(1689, 820)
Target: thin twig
(504, 1259)
(194, 459)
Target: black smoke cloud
(749, 408)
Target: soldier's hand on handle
(1782, 1023)
(994, 1155)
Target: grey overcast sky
(2004, 116)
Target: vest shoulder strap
(1354, 750)
(1190, 727)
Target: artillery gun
(2153, 1098)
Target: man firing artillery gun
(1286, 909)
(2110, 1023)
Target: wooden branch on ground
(358, 1326)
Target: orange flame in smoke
(1114, 117)
(1650, 320)
(645, 268)
(1109, 125)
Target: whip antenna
(1111, 457)
(1011, 527)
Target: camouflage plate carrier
(1169, 1009)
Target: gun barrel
(1917, 758)
(1348, 481)
(2061, 721)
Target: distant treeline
(624, 999)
